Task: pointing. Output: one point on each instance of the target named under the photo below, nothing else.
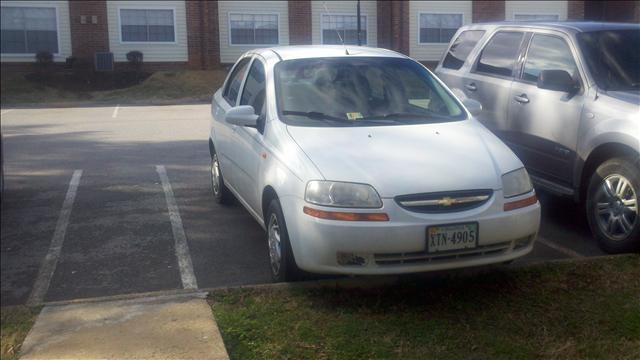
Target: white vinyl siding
(368, 9)
(433, 51)
(153, 51)
(45, 23)
(513, 8)
(228, 10)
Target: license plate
(452, 237)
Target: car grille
(422, 257)
(444, 202)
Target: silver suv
(566, 98)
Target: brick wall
(575, 10)
(393, 25)
(486, 11)
(88, 38)
(300, 22)
(202, 34)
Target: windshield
(357, 91)
(613, 57)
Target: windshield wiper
(394, 116)
(316, 115)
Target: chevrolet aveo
(360, 161)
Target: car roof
(317, 51)
(565, 26)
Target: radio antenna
(324, 4)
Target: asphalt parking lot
(116, 200)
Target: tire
(612, 206)
(282, 263)
(221, 193)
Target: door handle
(471, 87)
(522, 99)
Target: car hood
(631, 97)
(409, 159)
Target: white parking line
(115, 111)
(560, 248)
(182, 248)
(50, 262)
(6, 112)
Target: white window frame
(251, 13)
(436, 13)
(366, 19)
(27, 5)
(535, 13)
(133, 7)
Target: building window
(439, 28)
(27, 30)
(147, 25)
(535, 17)
(254, 29)
(335, 27)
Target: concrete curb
(122, 103)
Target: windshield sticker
(354, 115)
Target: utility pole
(358, 15)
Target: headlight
(516, 183)
(342, 194)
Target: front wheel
(283, 264)
(612, 205)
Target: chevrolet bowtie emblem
(446, 201)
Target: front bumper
(399, 245)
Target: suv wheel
(612, 206)
(221, 193)
(283, 265)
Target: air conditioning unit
(104, 61)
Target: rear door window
(235, 81)
(499, 55)
(461, 47)
(548, 52)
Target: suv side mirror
(557, 80)
(474, 106)
(243, 115)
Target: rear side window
(548, 53)
(235, 80)
(499, 56)
(461, 48)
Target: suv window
(254, 87)
(461, 47)
(499, 56)
(548, 53)
(235, 80)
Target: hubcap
(617, 207)
(275, 251)
(215, 175)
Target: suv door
(544, 123)
(248, 142)
(224, 130)
(489, 80)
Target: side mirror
(242, 115)
(474, 106)
(556, 80)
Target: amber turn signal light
(521, 203)
(345, 216)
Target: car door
(248, 141)
(489, 80)
(544, 123)
(224, 136)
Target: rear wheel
(221, 193)
(283, 264)
(612, 205)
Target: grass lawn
(15, 324)
(588, 309)
(161, 86)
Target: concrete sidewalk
(172, 327)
